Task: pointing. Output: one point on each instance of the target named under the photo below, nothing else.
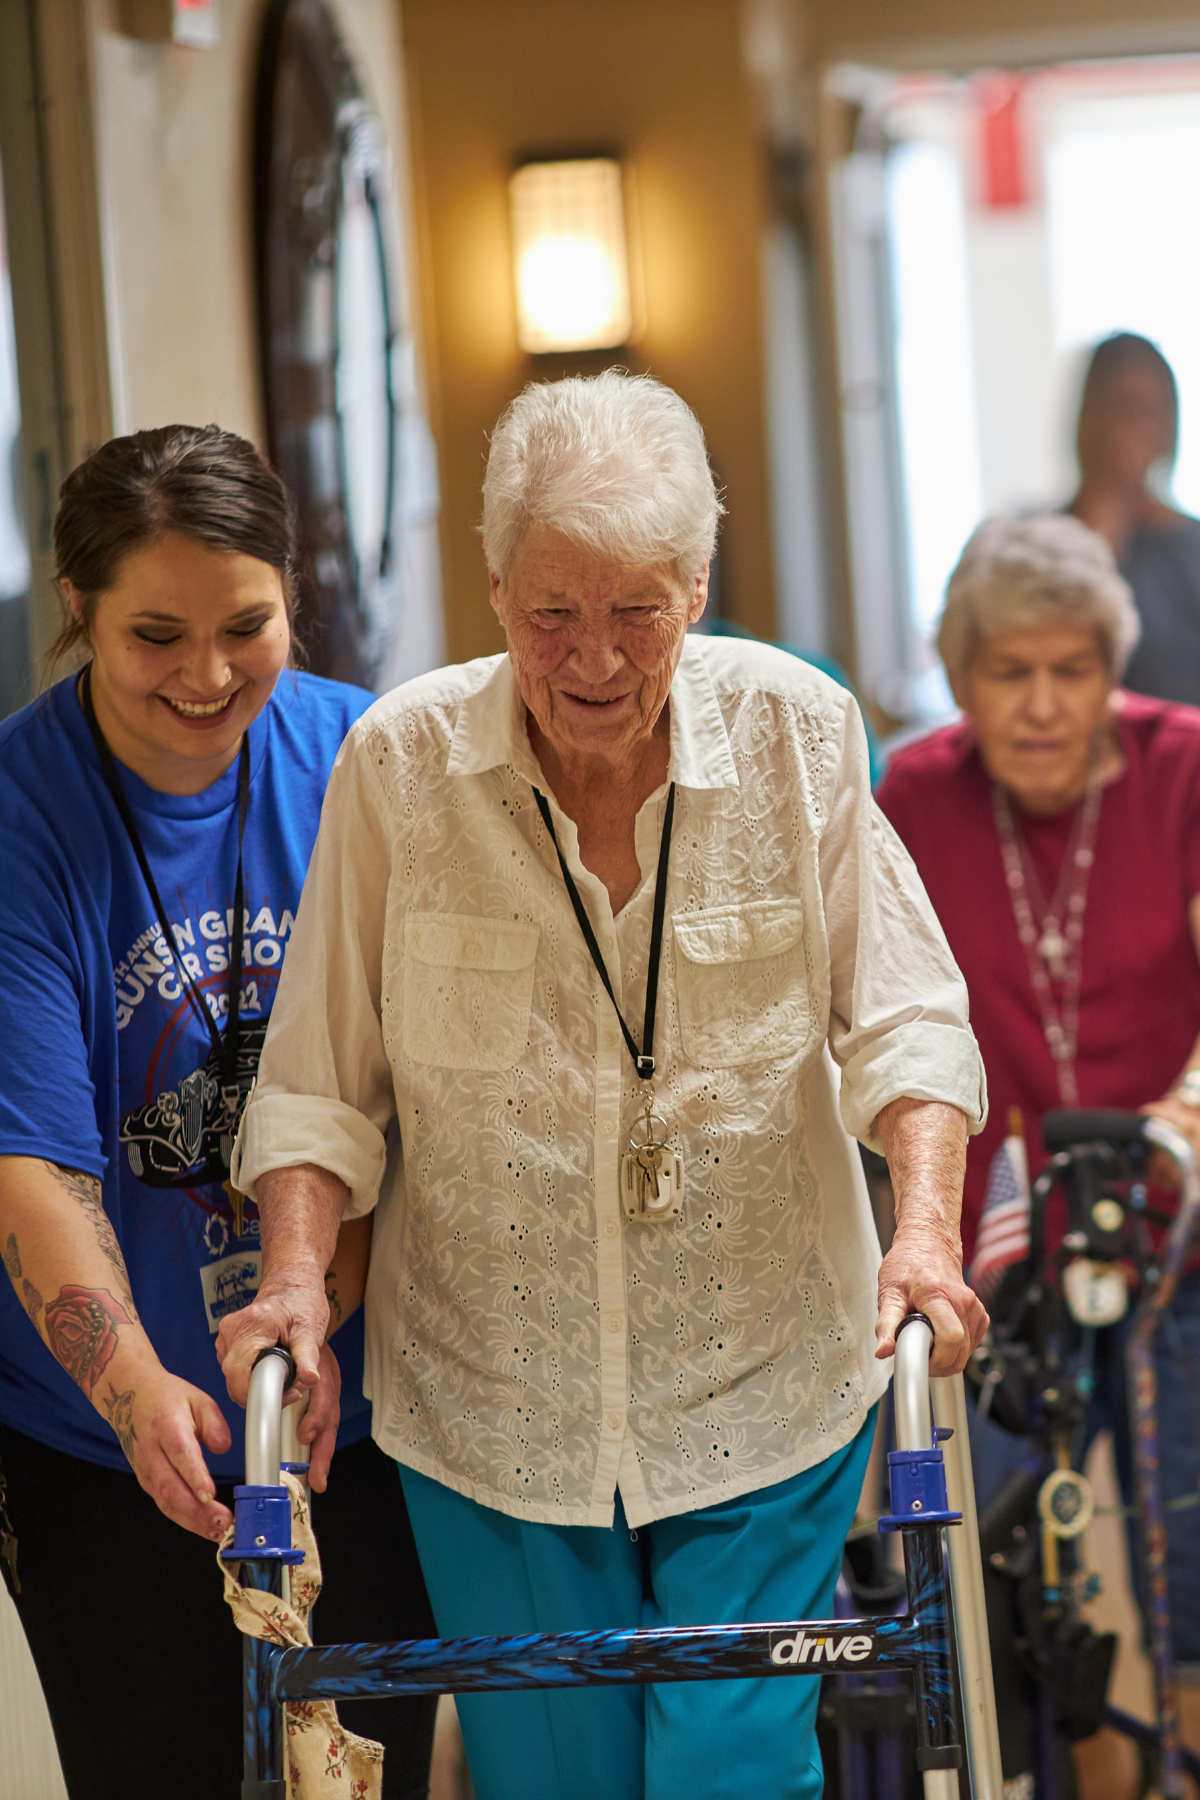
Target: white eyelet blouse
(526, 1345)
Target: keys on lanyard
(651, 1173)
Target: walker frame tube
(914, 1395)
(1143, 1391)
(918, 1640)
(978, 1694)
(1075, 1131)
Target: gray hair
(616, 462)
(1018, 574)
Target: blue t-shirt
(104, 1066)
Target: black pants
(137, 1651)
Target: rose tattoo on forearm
(81, 1330)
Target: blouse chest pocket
(468, 990)
(742, 981)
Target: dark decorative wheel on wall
(326, 332)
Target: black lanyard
(643, 1060)
(226, 1048)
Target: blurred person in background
(146, 802)
(1127, 436)
(1056, 828)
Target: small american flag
(1003, 1237)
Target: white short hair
(616, 462)
(1022, 574)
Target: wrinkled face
(187, 646)
(1126, 427)
(1038, 699)
(594, 643)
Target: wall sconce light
(571, 256)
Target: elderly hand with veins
(300, 1210)
(925, 1142)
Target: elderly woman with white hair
(595, 923)
(1057, 831)
(1063, 804)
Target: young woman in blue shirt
(157, 813)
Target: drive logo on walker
(818, 1647)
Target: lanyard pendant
(651, 1174)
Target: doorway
(1015, 219)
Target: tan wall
(661, 84)
(174, 129)
(174, 134)
(1049, 27)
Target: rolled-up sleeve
(899, 1022)
(324, 1092)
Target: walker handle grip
(273, 1372)
(278, 1350)
(1063, 1130)
(916, 1318)
(910, 1383)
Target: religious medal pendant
(1053, 947)
(651, 1173)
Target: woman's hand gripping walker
(930, 1490)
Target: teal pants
(774, 1554)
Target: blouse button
(472, 951)
(608, 1128)
(611, 1228)
(613, 1421)
(615, 1322)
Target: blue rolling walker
(1034, 1374)
(941, 1640)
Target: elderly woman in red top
(1057, 831)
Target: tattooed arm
(346, 1276)
(62, 1257)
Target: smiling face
(594, 644)
(1039, 702)
(187, 646)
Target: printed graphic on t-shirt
(230, 1284)
(148, 966)
(184, 1136)
(181, 1135)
